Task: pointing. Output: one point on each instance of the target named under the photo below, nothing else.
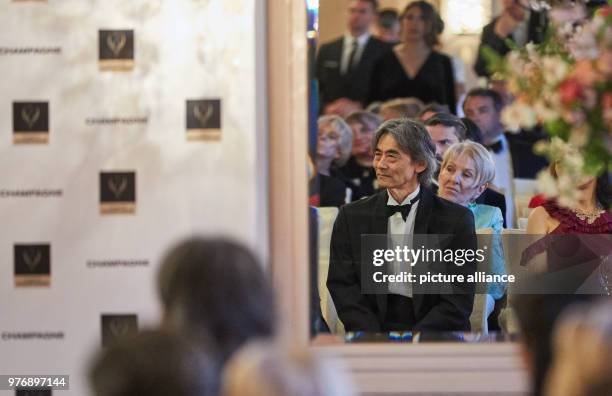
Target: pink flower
(564, 15)
(606, 108)
(570, 90)
(585, 73)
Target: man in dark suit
(404, 162)
(344, 66)
(516, 22)
(445, 130)
(512, 153)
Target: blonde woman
(466, 171)
(334, 144)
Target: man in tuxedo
(344, 66)
(445, 130)
(516, 22)
(404, 163)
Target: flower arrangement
(565, 85)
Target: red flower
(606, 101)
(569, 91)
(605, 11)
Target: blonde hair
(266, 369)
(583, 353)
(345, 137)
(483, 162)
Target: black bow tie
(403, 209)
(496, 147)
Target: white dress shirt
(504, 177)
(400, 233)
(347, 47)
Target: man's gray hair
(412, 139)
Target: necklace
(589, 217)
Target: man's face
(362, 138)
(394, 168)
(443, 137)
(361, 14)
(481, 110)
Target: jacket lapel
(421, 221)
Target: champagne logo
(30, 114)
(32, 258)
(117, 185)
(119, 327)
(202, 112)
(116, 42)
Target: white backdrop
(184, 50)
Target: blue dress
(486, 216)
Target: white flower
(532, 51)
(545, 112)
(579, 136)
(554, 69)
(547, 184)
(515, 63)
(518, 115)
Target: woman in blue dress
(466, 171)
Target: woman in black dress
(414, 68)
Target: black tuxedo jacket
(334, 85)
(525, 163)
(367, 312)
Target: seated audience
(446, 129)
(401, 108)
(466, 170)
(358, 172)
(154, 363)
(414, 68)
(216, 289)
(262, 369)
(583, 353)
(387, 27)
(431, 109)
(334, 145)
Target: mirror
(353, 89)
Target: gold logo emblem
(30, 114)
(32, 259)
(117, 185)
(116, 41)
(202, 112)
(118, 327)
